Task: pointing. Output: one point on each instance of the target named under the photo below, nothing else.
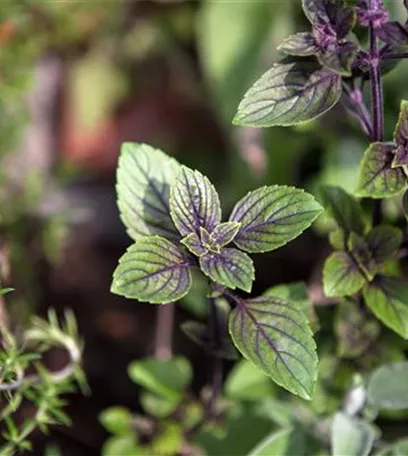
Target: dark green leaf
(194, 202)
(168, 379)
(301, 44)
(288, 94)
(388, 388)
(344, 208)
(341, 276)
(116, 420)
(193, 243)
(231, 268)
(361, 254)
(384, 242)
(405, 204)
(387, 297)
(272, 216)
(378, 179)
(224, 233)
(351, 436)
(152, 270)
(275, 335)
(144, 177)
(341, 59)
(286, 442)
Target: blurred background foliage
(79, 78)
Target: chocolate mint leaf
(272, 216)
(341, 276)
(275, 335)
(384, 242)
(230, 267)
(288, 94)
(339, 59)
(193, 243)
(344, 208)
(387, 297)
(152, 270)
(401, 130)
(194, 202)
(393, 33)
(377, 177)
(143, 184)
(301, 44)
(224, 233)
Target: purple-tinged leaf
(341, 276)
(193, 243)
(224, 233)
(401, 130)
(387, 297)
(144, 177)
(194, 202)
(207, 239)
(378, 179)
(288, 94)
(361, 254)
(344, 208)
(384, 242)
(339, 59)
(393, 33)
(275, 335)
(302, 44)
(152, 270)
(231, 268)
(400, 157)
(334, 12)
(272, 216)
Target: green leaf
(168, 379)
(387, 297)
(301, 44)
(351, 436)
(388, 388)
(144, 177)
(275, 335)
(286, 442)
(360, 253)
(193, 243)
(231, 268)
(194, 202)
(288, 94)
(344, 208)
(384, 242)
(378, 179)
(152, 270)
(224, 233)
(401, 130)
(341, 276)
(246, 382)
(157, 406)
(272, 216)
(4, 291)
(122, 445)
(295, 292)
(116, 420)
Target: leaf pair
(382, 171)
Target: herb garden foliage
(174, 216)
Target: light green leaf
(344, 208)
(194, 202)
(275, 335)
(351, 436)
(288, 94)
(157, 406)
(301, 44)
(378, 179)
(387, 297)
(122, 445)
(152, 270)
(193, 243)
(224, 233)
(286, 442)
(384, 242)
(401, 130)
(144, 177)
(388, 388)
(116, 420)
(231, 268)
(341, 276)
(168, 379)
(272, 216)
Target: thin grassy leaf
(288, 94)
(144, 177)
(272, 216)
(152, 270)
(275, 335)
(387, 297)
(378, 179)
(194, 203)
(231, 268)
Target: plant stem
(396, 56)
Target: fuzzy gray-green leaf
(288, 94)
(144, 177)
(275, 335)
(272, 216)
(152, 270)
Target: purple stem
(397, 56)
